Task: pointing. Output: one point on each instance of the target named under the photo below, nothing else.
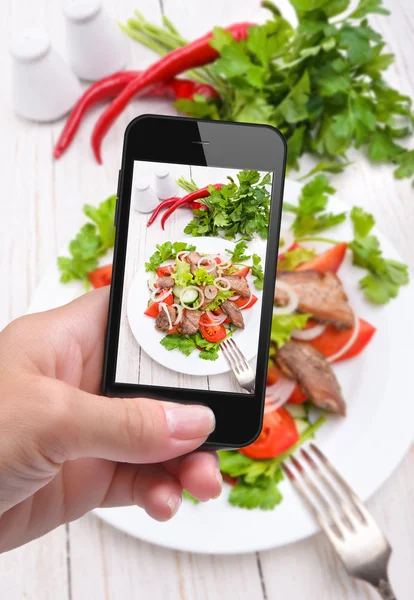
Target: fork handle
(385, 590)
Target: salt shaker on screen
(143, 196)
(44, 87)
(96, 45)
(165, 186)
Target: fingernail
(188, 422)
(219, 478)
(174, 503)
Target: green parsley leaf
(251, 496)
(238, 254)
(184, 344)
(166, 251)
(313, 200)
(382, 147)
(293, 258)
(405, 160)
(368, 6)
(385, 276)
(257, 272)
(283, 326)
(92, 242)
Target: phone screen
(193, 276)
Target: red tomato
(218, 260)
(240, 302)
(173, 330)
(213, 333)
(278, 434)
(330, 260)
(243, 272)
(153, 308)
(219, 312)
(165, 271)
(101, 276)
(332, 340)
(273, 374)
(229, 479)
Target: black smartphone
(197, 234)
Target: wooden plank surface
(41, 209)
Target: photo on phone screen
(187, 286)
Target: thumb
(133, 430)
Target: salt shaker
(143, 196)
(44, 87)
(96, 45)
(165, 186)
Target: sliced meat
(234, 313)
(191, 321)
(161, 322)
(193, 259)
(312, 371)
(239, 285)
(320, 294)
(165, 282)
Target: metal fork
(239, 365)
(352, 531)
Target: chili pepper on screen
(111, 86)
(188, 199)
(195, 54)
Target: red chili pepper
(113, 85)
(201, 193)
(198, 205)
(164, 204)
(195, 54)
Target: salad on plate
(199, 298)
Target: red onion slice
(161, 296)
(278, 394)
(217, 283)
(293, 300)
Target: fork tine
(356, 502)
(337, 525)
(310, 504)
(239, 353)
(229, 356)
(236, 362)
(337, 497)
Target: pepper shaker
(96, 45)
(44, 87)
(165, 186)
(143, 196)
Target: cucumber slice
(177, 289)
(301, 425)
(297, 411)
(189, 296)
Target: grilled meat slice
(320, 294)
(161, 322)
(312, 371)
(190, 322)
(193, 259)
(239, 285)
(165, 282)
(234, 313)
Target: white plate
(149, 338)
(366, 446)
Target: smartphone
(198, 272)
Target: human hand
(65, 450)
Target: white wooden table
(41, 209)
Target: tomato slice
(165, 271)
(229, 479)
(173, 330)
(153, 308)
(243, 272)
(331, 340)
(273, 374)
(218, 260)
(330, 260)
(213, 333)
(101, 276)
(219, 312)
(279, 433)
(240, 302)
